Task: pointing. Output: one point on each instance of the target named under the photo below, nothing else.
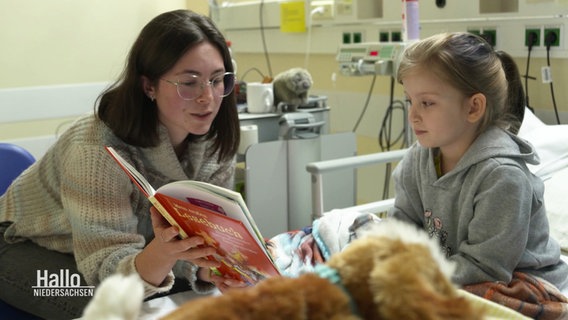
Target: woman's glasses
(190, 86)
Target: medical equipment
(369, 58)
(299, 125)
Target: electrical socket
(357, 37)
(534, 34)
(490, 35)
(396, 36)
(554, 33)
(474, 31)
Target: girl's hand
(160, 255)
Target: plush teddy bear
(291, 89)
(394, 271)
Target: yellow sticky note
(292, 16)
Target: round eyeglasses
(190, 86)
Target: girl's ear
(477, 105)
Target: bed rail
(317, 169)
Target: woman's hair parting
(470, 64)
(126, 109)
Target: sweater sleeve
(98, 199)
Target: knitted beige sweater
(76, 199)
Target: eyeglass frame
(202, 85)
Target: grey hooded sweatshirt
(488, 213)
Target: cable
(531, 41)
(549, 39)
(319, 9)
(366, 103)
(264, 39)
(385, 133)
(252, 69)
(385, 141)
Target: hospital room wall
(85, 41)
(53, 43)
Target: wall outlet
(396, 36)
(490, 35)
(474, 31)
(551, 36)
(532, 36)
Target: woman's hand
(160, 255)
(223, 284)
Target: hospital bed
(550, 141)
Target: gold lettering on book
(198, 217)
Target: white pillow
(556, 203)
(550, 142)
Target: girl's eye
(426, 103)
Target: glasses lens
(190, 87)
(228, 83)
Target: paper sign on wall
(293, 16)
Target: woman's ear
(148, 88)
(477, 104)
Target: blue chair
(13, 160)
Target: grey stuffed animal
(291, 89)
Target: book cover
(218, 215)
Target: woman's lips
(419, 132)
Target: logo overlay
(62, 284)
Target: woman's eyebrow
(197, 73)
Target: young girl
(172, 115)
(466, 181)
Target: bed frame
(318, 169)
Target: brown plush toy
(291, 89)
(393, 272)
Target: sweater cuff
(189, 271)
(127, 267)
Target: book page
(229, 194)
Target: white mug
(260, 97)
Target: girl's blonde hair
(468, 63)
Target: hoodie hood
(497, 143)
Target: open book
(218, 215)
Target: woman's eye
(217, 81)
(427, 103)
(189, 83)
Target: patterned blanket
(299, 251)
(532, 296)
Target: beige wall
(69, 42)
(82, 41)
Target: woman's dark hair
(125, 107)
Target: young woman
(466, 181)
(172, 115)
